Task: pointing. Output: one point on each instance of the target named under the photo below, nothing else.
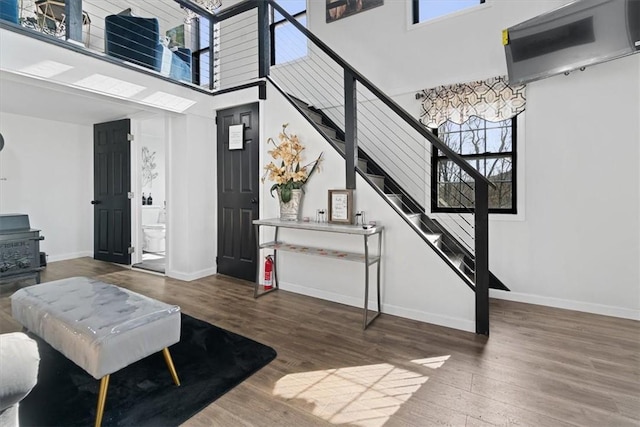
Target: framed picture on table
(341, 206)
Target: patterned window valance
(493, 99)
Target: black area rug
(209, 360)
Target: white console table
(365, 257)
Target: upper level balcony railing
(175, 40)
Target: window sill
(497, 217)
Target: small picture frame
(341, 206)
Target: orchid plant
(289, 175)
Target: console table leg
(257, 283)
(379, 262)
(256, 286)
(367, 321)
(366, 281)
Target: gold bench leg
(172, 369)
(104, 384)
(102, 398)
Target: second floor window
(202, 54)
(490, 147)
(425, 10)
(288, 43)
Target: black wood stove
(19, 248)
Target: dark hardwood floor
(540, 367)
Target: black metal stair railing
(364, 123)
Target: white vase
(290, 211)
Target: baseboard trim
(435, 319)
(64, 257)
(317, 293)
(587, 307)
(422, 316)
(188, 277)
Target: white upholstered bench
(99, 326)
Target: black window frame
(436, 158)
(272, 30)
(416, 10)
(199, 51)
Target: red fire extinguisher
(268, 272)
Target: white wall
(399, 57)
(575, 242)
(191, 195)
(46, 171)
(152, 135)
(238, 54)
(192, 220)
(579, 246)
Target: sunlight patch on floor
(432, 362)
(360, 395)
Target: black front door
(111, 185)
(238, 180)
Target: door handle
(254, 201)
(95, 202)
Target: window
(287, 42)
(202, 54)
(424, 10)
(490, 147)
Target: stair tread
(456, 259)
(316, 117)
(326, 127)
(299, 101)
(433, 238)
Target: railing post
(264, 41)
(73, 20)
(350, 128)
(482, 256)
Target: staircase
(437, 236)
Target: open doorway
(150, 200)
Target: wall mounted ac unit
(581, 33)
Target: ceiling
(30, 97)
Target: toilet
(154, 229)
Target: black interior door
(238, 180)
(112, 183)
